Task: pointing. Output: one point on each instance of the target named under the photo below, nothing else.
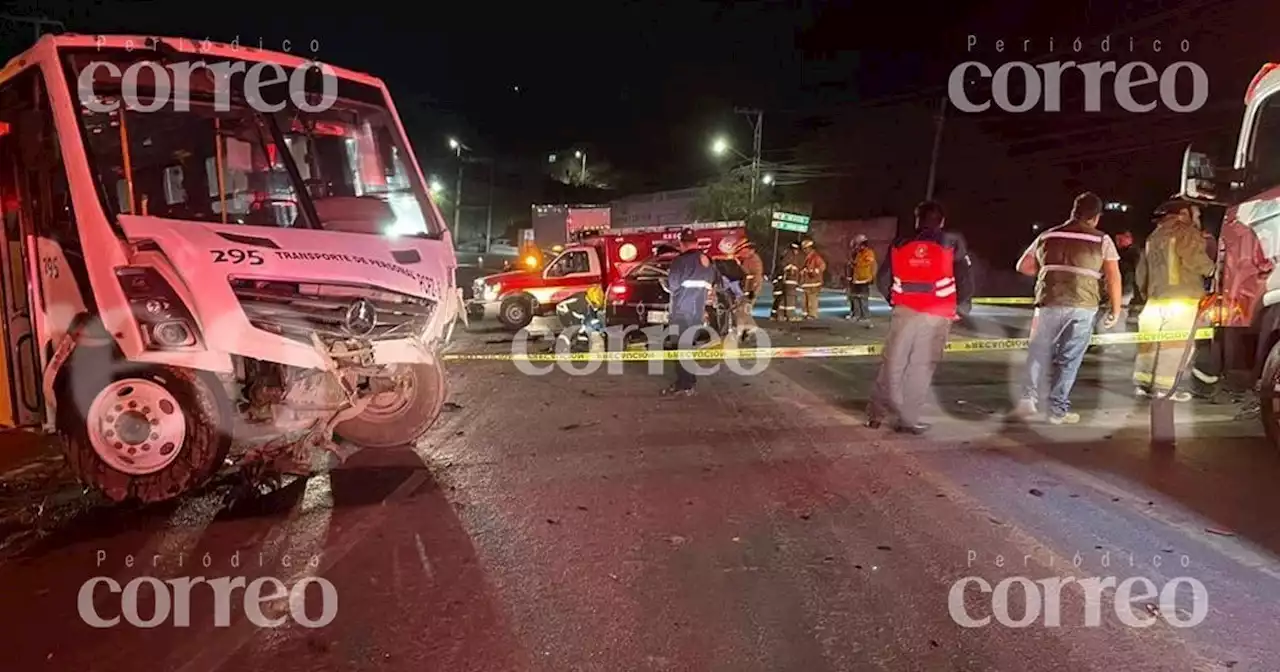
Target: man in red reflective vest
(927, 279)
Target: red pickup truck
(516, 297)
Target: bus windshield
(242, 166)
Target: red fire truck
(516, 297)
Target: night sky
(647, 84)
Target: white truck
(174, 274)
(1246, 304)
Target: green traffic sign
(790, 217)
(791, 226)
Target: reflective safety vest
(924, 277)
(1070, 258)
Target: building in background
(663, 208)
(557, 224)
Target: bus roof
(180, 44)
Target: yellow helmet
(595, 296)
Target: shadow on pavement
(379, 528)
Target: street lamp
(436, 188)
(767, 179)
(457, 148)
(719, 146)
(583, 174)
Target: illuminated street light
(767, 179)
(720, 146)
(436, 187)
(577, 154)
(454, 144)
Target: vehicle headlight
(491, 291)
(163, 318)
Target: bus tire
(400, 418)
(516, 312)
(143, 432)
(1268, 397)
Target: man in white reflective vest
(1067, 261)
(689, 280)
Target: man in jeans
(1067, 262)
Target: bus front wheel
(150, 433)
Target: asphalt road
(581, 522)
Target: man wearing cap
(927, 279)
(1172, 276)
(1067, 261)
(862, 272)
(812, 269)
(689, 282)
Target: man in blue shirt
(689, 281)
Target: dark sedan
(641, 297)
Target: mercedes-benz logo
(361, 318)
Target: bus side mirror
(1204, 182)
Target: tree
(570, 168)
(727, 197)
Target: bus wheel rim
(136, 426)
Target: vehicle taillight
(163, 317)
(617, 291)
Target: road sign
(791, 226)
(791, 217)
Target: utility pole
(457, 148)
(488, 215)
(36, 22)
(757, 127)
(938, 120)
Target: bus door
(20, 389)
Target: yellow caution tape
(1005, 301)
(818, 351)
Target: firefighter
(862, 272)
(927, 279)
(690, 280)
(752, 280)
(1068, 261)
(1172, 276)
(583, 320)
(812, 269)
(785, 282)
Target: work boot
(916, 429)
(1065, 419)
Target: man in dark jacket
(689, 281)
(927, 278)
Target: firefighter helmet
(806, 243)
(595, 297)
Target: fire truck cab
(516, 297)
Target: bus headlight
(162, 317)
